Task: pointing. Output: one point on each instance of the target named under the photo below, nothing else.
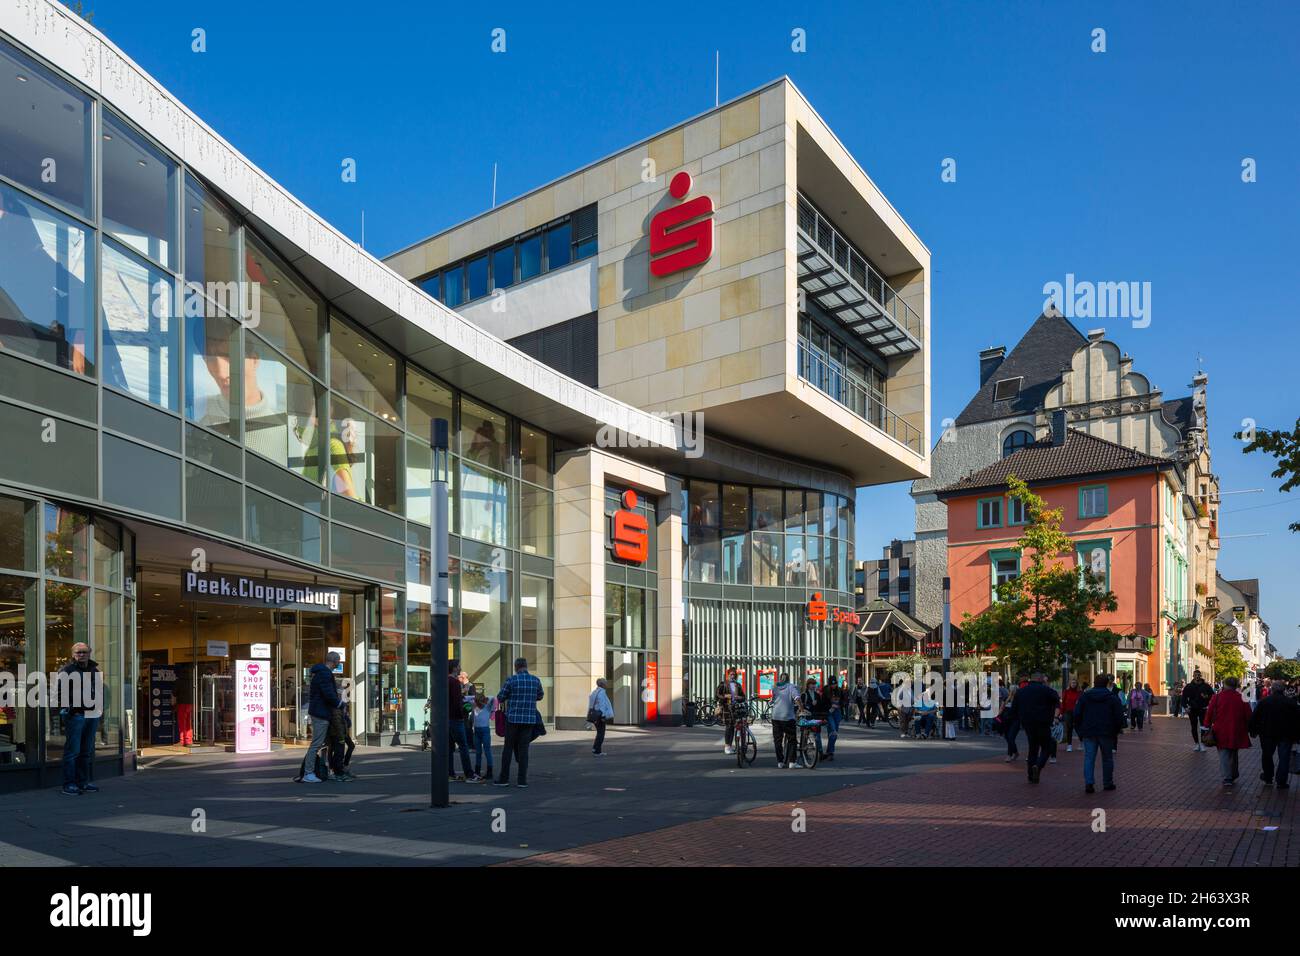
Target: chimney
(1058, 427)
(990, 361)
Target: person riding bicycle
(730, 696)
(816, 705)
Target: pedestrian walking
(599, 710)
(1228, 718)
(1036, 706)
(1069, 697)
(80, 716)
(520, 694)
(1098, 719)
(1150, 699)
(832, 704)
(322, 702)
(785, 710)
(1137, 707)
(458, 736)
(730, 696)
(860, 700)
(814, 703)
(485, 709)
(1176, 699)
(874, 709)
(1010, 725)
(341, 744)
(1276, 722)
(1196, 701)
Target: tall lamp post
(439, 722)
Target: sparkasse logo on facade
(678, 236)
(629, 536)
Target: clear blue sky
(1124, 165)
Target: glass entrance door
(626, 672)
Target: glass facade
(63, 581)
(753, 558)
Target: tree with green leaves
(1282, 670)
(1285, 448)
(1045, 614)
(1228, 661)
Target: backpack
(499, 719)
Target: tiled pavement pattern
(1169, 810)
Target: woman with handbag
(1228, 721)
(599, 710)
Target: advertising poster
(162, 705)
(766, 682)
(252, 707)
(650, 692)
(816, 674)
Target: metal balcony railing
(855, 395)
(844, 284)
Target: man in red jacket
(1229, 718)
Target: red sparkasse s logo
(678, 236)
(630, 537)
(817, 610)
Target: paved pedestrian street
(671, 797)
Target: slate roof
(1180, 413)
(1081, 454)
(879, 613)
(1040, 355)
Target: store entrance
(187, 653)
(627, 674)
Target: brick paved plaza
(670, 797)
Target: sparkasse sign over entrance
(257, 592)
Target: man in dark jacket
(1196, 701)
(1098, 719)
(80, 709)
(322, 701)
(1276, 722)
(1035, 707)
(730, 697)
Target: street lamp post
(439, 722)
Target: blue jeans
(832, 730)
(1107, 747)
(458, 739)
(78, 749)
(482, 745)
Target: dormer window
(1007, 388)
(1015, 441)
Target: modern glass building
(198, 376)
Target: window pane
(705, 504)
(534, 520)
(139, 201)
(288, 315)
(735, 558)
(794, 511)
(705, 558)
(44, 132)
(67, 622)
(45, 293)
(363, 371)
(213, 378)
(535, 456)
(477, 270)
(558, 241)
(530, 257)
(795, 561)
(139, 329)
(108, 555)
(419, 478)
(280, 412)
(425, 401)
(503, 267)
(765, 567)
(813, 513)
(735, 507)
(483, 435)
(484, 603)
(453, 286)
(106, 650)
(767, 508)
(18, 520)
(18, 629)
(614, 621)
(432, 285)
(363, 456)
(484, 505)
(67, 543)
(211, 248)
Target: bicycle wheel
(891, 715)
(746, 750)
(808, 754)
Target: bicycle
(765, 712)
(807, 749)
(706, 711)
(745, 745)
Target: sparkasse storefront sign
(257, 592)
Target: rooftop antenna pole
(494, 185)
(717, 62)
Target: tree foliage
(1045, 614)
(1282, 670)
(1285, 448)
(1228, 661)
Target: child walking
(484, 708)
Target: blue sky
(1123, 165)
